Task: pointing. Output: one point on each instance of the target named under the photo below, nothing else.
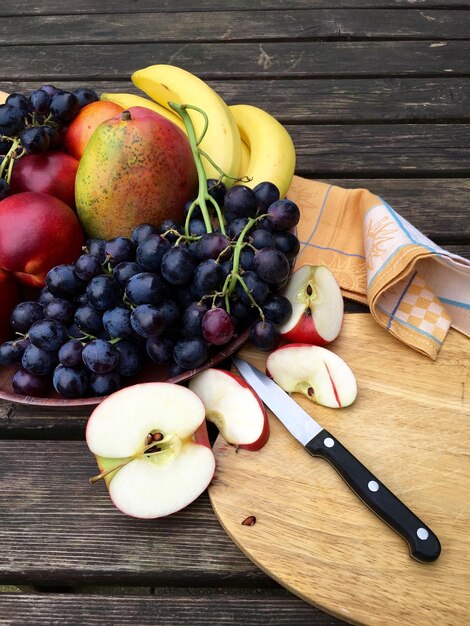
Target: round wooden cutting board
(410, 425)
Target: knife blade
(423, 544)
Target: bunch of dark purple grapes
(36, 123)
(171, 294)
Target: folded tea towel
(414, 288)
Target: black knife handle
(423, 543)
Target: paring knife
(423, 543)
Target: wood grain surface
(410, 426)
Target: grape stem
(9, 160)
(203, 196)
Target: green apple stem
(162, 444)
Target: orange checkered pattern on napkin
(414, 288)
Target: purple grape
(105, 384)
(60, 310)
(265, 336)
(19, 101)
(147, 320)
(144, 288)
(96, 247)
(266, 193)
(271, 265)
(150, 252)
(217, 190)
(117, 322)
(62, 281)
(48, 334)
(288, 244)
(130, 358)
(119, 249)
(100, 356)
(103, 292)
(11, 120)
(159, 349)
(89, 320)
(70, 382)
(211, 246)
(190, 353)
(277, 308)
(178, 266)
(87, 267)
(70, 354)
(29, 384)
(12, 351)
(283, 214)
(64, 106)
(38, 361)
(85, 96)
(35, 140)
(208, 277)
(257, 287)
(25, 314)
(143, 232)
(239, 201)
(126, 270)
(217, 327)
(39, 101)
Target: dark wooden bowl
(151, 373)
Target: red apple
(52, 173)
(37, 232)
(321, 375)
(85, 123)
(9, 298)
(233, 406)
(317, 306)
(152, 448)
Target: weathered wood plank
(238, 60)
(308, 24)
(325, 100)
(183, 607)
(56, 7)
(384, 150)
(56, 528)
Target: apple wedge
(318, 373)
(317, 306)
(233, 406)
(152, 448)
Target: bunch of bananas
(243, 140)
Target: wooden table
(376, 94)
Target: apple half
(317, 306)
(321, 375)
(233, 406)
(152, 448)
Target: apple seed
(249, 521)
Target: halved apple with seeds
(233, 406)
(321, 375)
(152, 448)
(317, 306)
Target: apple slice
(152, 448)
(317, 306)
(233, 406)
(318, 373)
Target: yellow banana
(244, 160)
(127, 100)
(165, 83)
(272, 152)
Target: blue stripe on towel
(400, 299)
(418, 330)
(461, 305)
(312, 245)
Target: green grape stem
(203, 196)
(9, 160)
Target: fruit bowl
(151, 373)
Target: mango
(137, 167)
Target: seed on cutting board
(249, 521)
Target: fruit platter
(136, 244)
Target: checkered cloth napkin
(414, 288)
